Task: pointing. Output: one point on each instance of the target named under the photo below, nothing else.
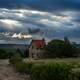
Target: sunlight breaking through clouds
(51, 23)
(10, 24)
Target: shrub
(4, 54)
(15, 59)
(76, 74)
(51, 72)
(19, 65)
(23, 67)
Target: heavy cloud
(42, 18)
(39, 23)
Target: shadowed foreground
(7, 72)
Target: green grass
(45, 69)
(56, 60)
(74, 62)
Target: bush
(51, 72)
(15, 59)
(76, 74)
(4, 54)
(23, 67)
(19, 65)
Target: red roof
(39, 43)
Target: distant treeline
(8, 53)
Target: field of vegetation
(55, 60)
(74, 62)
(48, 69)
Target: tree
(54, 48)
(59, 48)
(15, 58)
(69, 49)
(66, 40)
(19, 51)
(3, 54)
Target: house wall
(34, 52)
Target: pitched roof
(39, 43)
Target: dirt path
(7, 72)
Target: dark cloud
(47, 23)
(42, 4)
(50, 18)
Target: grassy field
(75, 62)
(56, 60)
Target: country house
(36, 48)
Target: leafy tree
(15, 58)
(19, 51)
(60, 48)
(66, 40)
(54, 48)
(69, 49)
(4, 54)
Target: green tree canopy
(60, 48)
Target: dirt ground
(8, 73)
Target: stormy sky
(42, 18)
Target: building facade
(36, 48)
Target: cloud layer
(41, 24)
(41, 18)
(48, 5)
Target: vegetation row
(40, 71)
